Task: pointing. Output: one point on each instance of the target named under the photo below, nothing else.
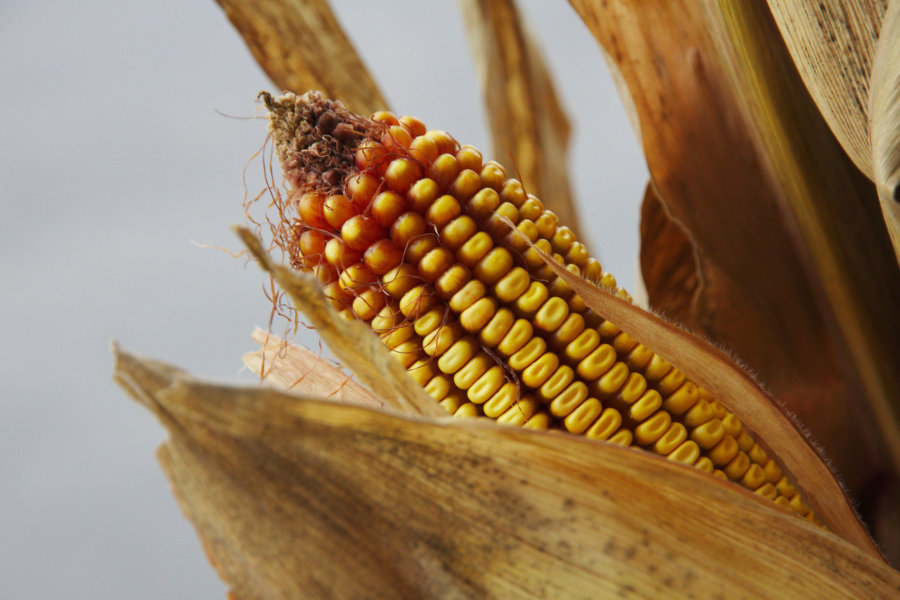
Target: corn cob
(413, 233)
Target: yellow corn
(412, 233)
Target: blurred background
(121, 167)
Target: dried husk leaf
(294, 368)
(294, 497)
(711, 368)
(885, 115)
(528, 125)
(833, 43)
(352, 342)
(811, 313)
(301, 46)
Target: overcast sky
(115, 158)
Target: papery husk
(528, 125)
(352, 342)
(294, 368)
(301, 46)
(832, 43)
(885, 126)
(299, 498)
(775, 209)
(736, 390)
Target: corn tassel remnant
(410, 231)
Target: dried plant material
(294, 498)
(833, 43)
(737, 391)
(832, 204)
(352, 342)
(722, 184)
(885, 117)
(301, 46)
(529, 128)
(293, 368)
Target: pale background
(114, 159)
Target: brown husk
(294, 497)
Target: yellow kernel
(533, 257)
(497, 327)
(552, 314)
(529, 353)
(475, 368)
(652, 429)
(458, 355)
(422, 372)
(443, 210)
(435, 263)
(563, 239)
(608, 331)
(466, 184)
(407, 353)
(682, 400)
(606, 425)
(478, 314)
(467, 295)
(705, 465)
(582, 345)
(467, 410)
(430, 321)
(670, 440)
(452, 402)
(415, 126)
(446, 142)
(701, 413)
(501, 401)
(385, 116)
(439, 387)
(397, 336)
(737, 467)
(557, 382)
(356, 277)
(671, 382)
(773, 471)
(656, 369)
(487, 385)
(455, 233)
(531, 209)
(492, 175)
(512, 285)
(407, 227)
(569, 400)
(419, 247)
(367, 304)
(438, 341)
(417, 301)
(494, 265)
(745, 442)
(623, 343)
(499, 222)
(401, 173)
(723, 452)
(639, 357)
(709, 434)
(474, 249)
(567, 331)
(622, 438)
(540, 370)
(382, 256)
(757, 454)
(520, 239)
(634, 388)
(581, 418)
(546, 224)
(520, 333)
(767, 490)
(452, 281)
(783, 502)
(539, 422)
(422, 194)
(648, 404)
(513, 191)
(592, 269)
(483, 203)
(754, 477)
(519, 413)
(577, 254)
(597, 362)
(798, 505)
(686, 453)
(445, 168)
(469, 157)
(533, 298)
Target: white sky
(114, 159)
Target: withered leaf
(743, 161)
(528, 125)
(885, 127)
(833, 43)
(294, 368)
(354, 344)
(301, 46)
(298, 498)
